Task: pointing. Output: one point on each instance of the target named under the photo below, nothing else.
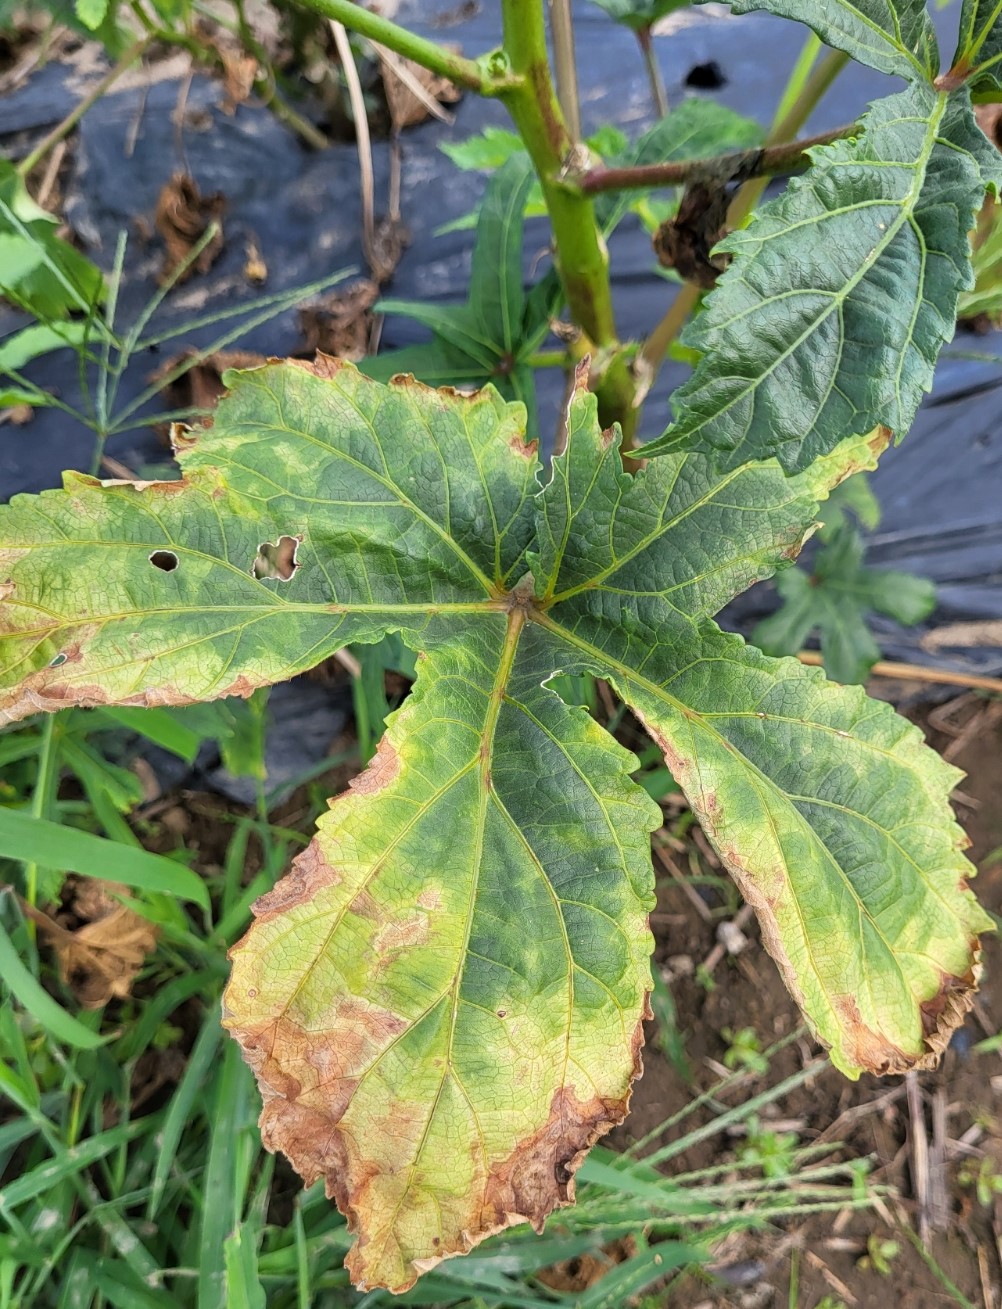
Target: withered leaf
(183, 216)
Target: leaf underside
(443, 1000)
(842, 291)
(893, 36)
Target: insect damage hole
(278, 561)
(165, 560)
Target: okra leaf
(325, 510)
(836, 596)
(893, 36)
(443, 1000)
(842, 291)
(979, 48)
(825, 806)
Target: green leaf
(443, 1001)
(695, 129)
(978, 58)
(836, 596)
(91, 12)
(484, 339)
(893, 36)
(842, 292)
(639, 14)
(825, 806)
(21, 347)
(463, 1065)
(22, 836)
(485, 151)
(39, 271)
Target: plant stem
(472, 74)
(655, 348)
(658, 93)
(779, 155)
(565, 65)
(63, 129)
(580, 254)
(786, 157)
(787, 125)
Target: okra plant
(444, 1000)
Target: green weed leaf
(443, 1001)
(639, 13)
(842, 291)
(835, 597)
(490, 337)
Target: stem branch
(658, 92)
(788, 157)
(63, 129)
(468, 73)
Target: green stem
(565, 64)
(779, 154)
(580, 253)
(785, 126)
(658, 92)
(474, 75)
(63, 129)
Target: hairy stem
(468, 73)
(658, 93)
(579, 251)
(63, 129)
(786, 157)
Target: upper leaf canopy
(842, 291)
(893, 36)
(443, 1001)
(979, 47)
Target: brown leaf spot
(7, 589)
(309, 874)
(380, 772)
(399, 935)
(527, 449)
(538, 1176)
(324, 366)
(430, 898)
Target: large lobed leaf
(443, 1000)
(893, 36)
(842, 291)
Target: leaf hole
(165, 560)
(502, 1013)
(277, 562)
(59, 659)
